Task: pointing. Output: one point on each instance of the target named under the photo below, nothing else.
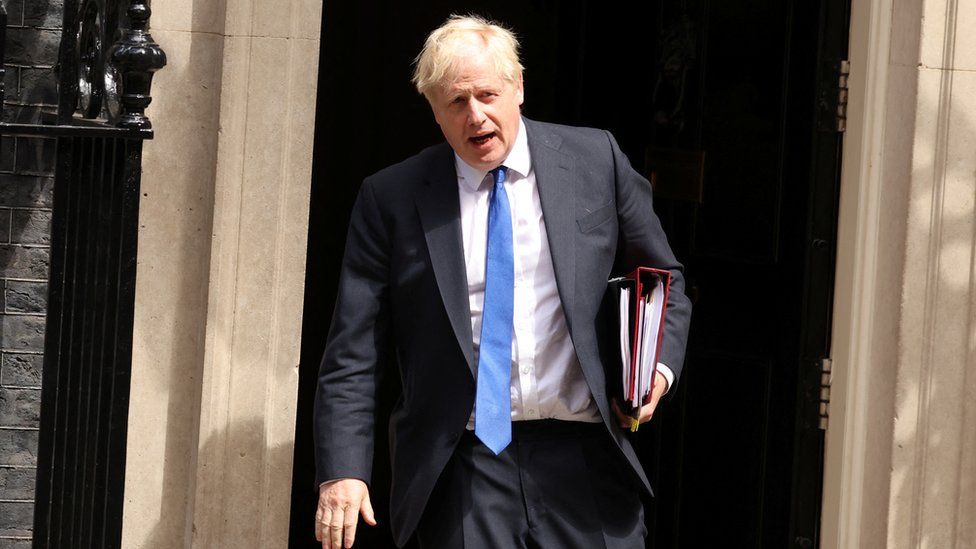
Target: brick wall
(26, 182)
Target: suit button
(453, 437)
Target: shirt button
(526, 369)
(531, 412)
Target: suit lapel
(440, 216)
(556, 181)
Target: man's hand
(340, 504)
(647, 410)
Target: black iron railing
(105, 67)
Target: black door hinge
(832, 97)
(823, 409)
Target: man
(482, 264)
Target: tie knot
(498, 174)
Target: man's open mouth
(482, 139)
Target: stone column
(933, 483)
(257, 275)
(901, 447)
(221, 276)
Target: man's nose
(476, 116)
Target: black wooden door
(730, 103)
(745, 97)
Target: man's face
(478, 111)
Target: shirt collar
(519, 160)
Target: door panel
(725, 452)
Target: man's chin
(484, 162)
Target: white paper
(654, 314)
(647, 350)
(625, 334)
(635, 375)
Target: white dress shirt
(547, 380)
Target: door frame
(862, 393)
(872, 222)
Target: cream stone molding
(934, 451)
(250, 378)
(220, 290)
(901, 449)
(856, 276)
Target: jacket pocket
(595, 218)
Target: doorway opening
(730, 108)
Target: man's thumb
(367, 510)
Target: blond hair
(439, 58)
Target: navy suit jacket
(403, 304)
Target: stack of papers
(642, 299)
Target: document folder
(641, 298)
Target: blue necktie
(493, 402)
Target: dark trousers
(559, 485)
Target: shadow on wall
(26, 183)
(172, 338)
(220, 445)
(25, 199)
(25, 232)
(933, 444)
(33, 39)
(26, 168)
(25, 229)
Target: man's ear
(520, 90)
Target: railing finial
(131, 62)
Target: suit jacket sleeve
(345, 398)
(642, 242)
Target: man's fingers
(349, 526)
(367, 510)
(646, 413)
(616, 411)
(335, 529)
(322, 518)
(652, 400)
(340, 503)
(622, 418)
